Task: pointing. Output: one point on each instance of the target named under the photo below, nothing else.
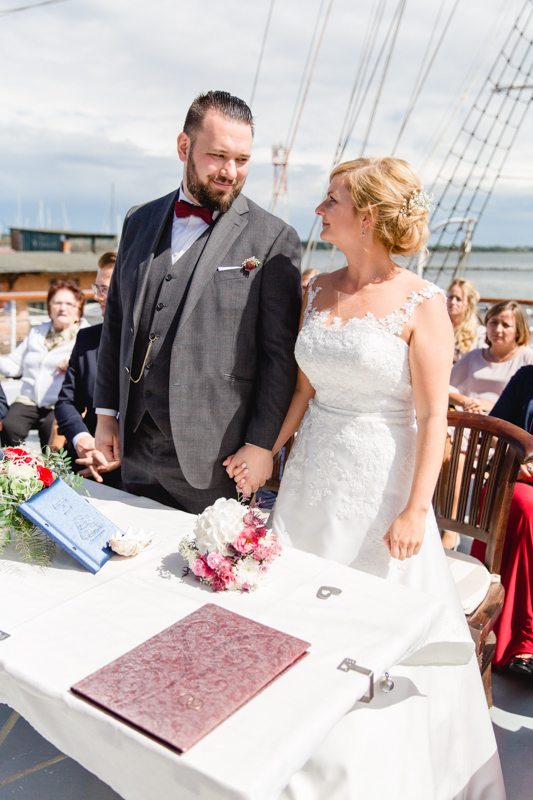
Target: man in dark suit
(4, 407)
(76, 395)
(197, 346)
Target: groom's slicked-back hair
(222, 103)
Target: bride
(375, 351)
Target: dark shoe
(521, 665)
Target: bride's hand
(249, 467)
(406, 534)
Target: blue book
(72, 522)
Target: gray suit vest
(166, 292)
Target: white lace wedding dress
(347, 478)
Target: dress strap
(394, 322)
(311, 294)
(415, 298)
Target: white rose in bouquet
(218, 525)
(23, 471)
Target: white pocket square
(221, 269)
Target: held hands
(250, 467)
(406, 534)
(92, 459)
(107, 438)
(526, 473)
(476, 405)
(62, 367)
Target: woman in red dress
(514, 629)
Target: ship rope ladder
(475, 161)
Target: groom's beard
(208, 195)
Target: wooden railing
(12, 297)
(491, 300)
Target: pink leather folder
(182, 683)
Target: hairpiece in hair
(418, 200)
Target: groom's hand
(250, 467)
(107, 437)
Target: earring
(363, 229)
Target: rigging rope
(304, 73)
(267, 26)
(26, 8)
(448, 119)
(399, 12)
(496, 141)
(302, 105)
(420, 81)
(374, 23)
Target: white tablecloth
(64, 623)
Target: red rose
(18, 455)
(45, 475)
(249, 264)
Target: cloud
(94, 93)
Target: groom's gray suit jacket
(222, 367)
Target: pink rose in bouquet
(232, 548)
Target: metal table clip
(349, 664)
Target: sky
(94, 94)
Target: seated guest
(514, 629)
(75, 414)
(461, 301)
(41, 360)
(479, 377)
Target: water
(495, 274)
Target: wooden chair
(56, 441)
(476, 501)
(272, 484)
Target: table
(64, 623)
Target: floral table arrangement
(23, 473)
(232, 548)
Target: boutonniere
(249, 264)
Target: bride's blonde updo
(391, 187)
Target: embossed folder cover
(72, 522)
(179, 685)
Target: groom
(197, 347)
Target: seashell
(130, 543)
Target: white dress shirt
(186, 230)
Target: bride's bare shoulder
(414, 283)
(327, 279)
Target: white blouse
(37, 365)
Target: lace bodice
(361, 365)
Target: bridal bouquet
(23, 473)
(232, 547)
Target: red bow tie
(184, 209)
